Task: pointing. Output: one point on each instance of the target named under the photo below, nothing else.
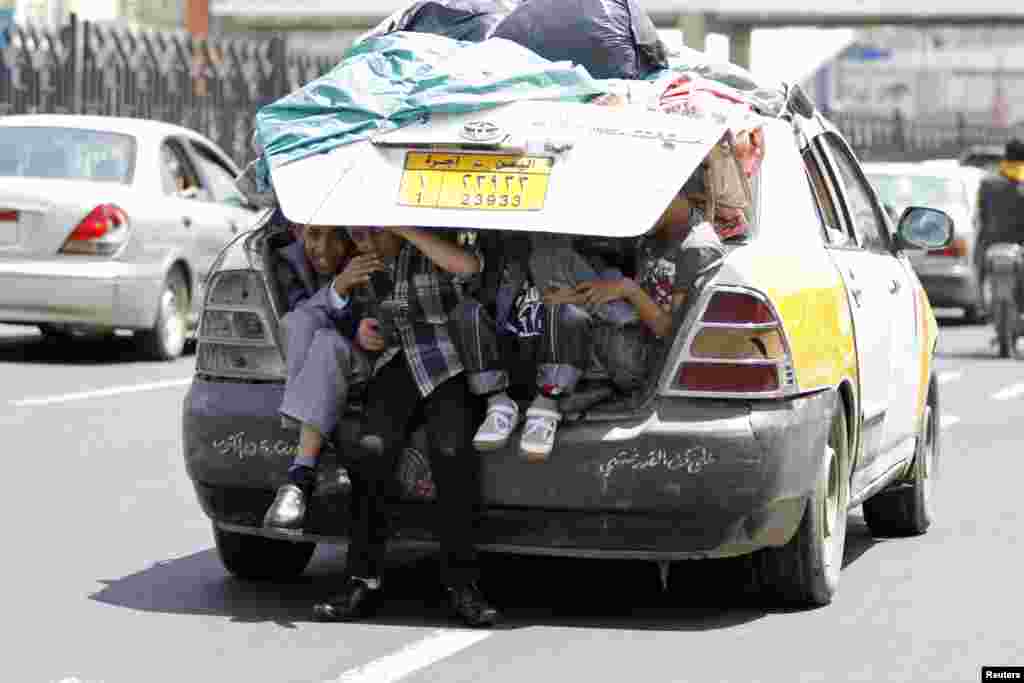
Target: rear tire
(255, 558)
(907, 508)
(166, 340)
(806, 570)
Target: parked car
(799, 384)
(111, 223)
(951, 276)
(985, 157)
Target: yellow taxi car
(799, 382)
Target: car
(951, 276)
(985, 157)
(799, 383)
(110, 224)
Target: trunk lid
(41, 213)
(527, 166)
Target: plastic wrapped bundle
(610, 38)
(469, 20)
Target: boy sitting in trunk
(680, 250)
(323, 343)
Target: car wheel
(806, 570)
(166, 341)
(255, 558)
(906, 508)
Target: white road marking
(1012, 391)
(410, 659)
(947, 421)
(100, 393)
(950, 376)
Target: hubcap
(173, 328)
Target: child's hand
(357, 273)
(561, 295)
(368, 337)
(597, 292)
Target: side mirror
(923, 228)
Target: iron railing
(212, 85)
(216, 85)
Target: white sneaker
(501, 420)
(539, 433)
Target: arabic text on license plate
(484, 182)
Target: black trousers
(393, 401)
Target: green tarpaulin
(397, 79)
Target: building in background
(939, 74)
(152, 13)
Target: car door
(219, 212)
(177, 209)
(859, 241)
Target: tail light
(101, 233)
(737, 348)
(235, 335)
(956, 249)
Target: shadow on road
(610, 594)
(31, 347)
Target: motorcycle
(1004, 263)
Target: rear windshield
(66, 153)
(901, 191)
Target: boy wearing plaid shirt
(417, 371)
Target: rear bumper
(697, 479)
(100, 293)
(951, 286)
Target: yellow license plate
(483, 182)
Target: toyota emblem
(481, 131)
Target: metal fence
(211, 85)
(894, 138)
(216, 85)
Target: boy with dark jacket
(324, 342)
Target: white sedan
(111, 224)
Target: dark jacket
(303, 286)
(1000, 211)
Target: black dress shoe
(288, 511)
(470, 606)
(356, 600)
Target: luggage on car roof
(470, 20)
(609, 38)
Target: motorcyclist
(1001, 202)
(1001, 212)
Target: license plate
(481, 182)
(8, 227)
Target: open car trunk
(602, 175)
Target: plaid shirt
(420, 302)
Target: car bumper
(696, 479)
(950, 286)
(98, 293)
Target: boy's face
(325, 248)
(371, 240)
(675, 221)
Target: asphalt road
(109, 574)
